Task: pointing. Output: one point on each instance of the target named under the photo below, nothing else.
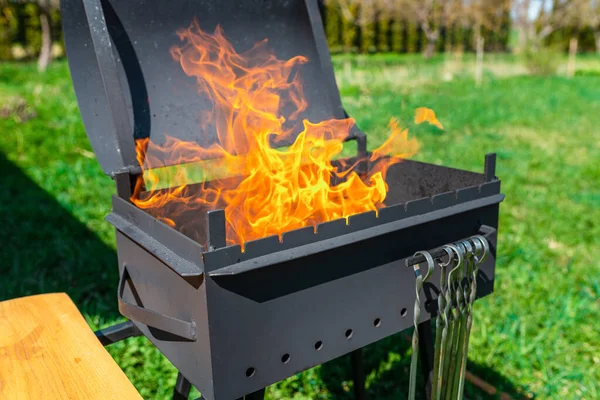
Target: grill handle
(153, 319)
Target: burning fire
(263, 190)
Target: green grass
(536, 336)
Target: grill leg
(116, 333)
(426, 350)
(182, 388)
(358, 374)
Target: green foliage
(367, 38)
(561, 37)
(332, 21)
(349, 29)
(57, 32)
(541, 60)
(468, 39)
(383, 34)
(33, 34)
(6, 33)
(22, 29)
(412, 38)
(458, 37)
(503, 35)
(440, 45)
(397, 34)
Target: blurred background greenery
(519, 78)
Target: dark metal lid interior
(128, 85)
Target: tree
(385, 10)
(427, 14)
(484, 14)
(591, 11)
(45, 56)
(349, 10)
(553, 15)
(453, 14)
(366, 21)
(45, 9)
(577, 15)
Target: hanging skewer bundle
(459, 266)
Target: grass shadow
(387, 368)
(46, 249)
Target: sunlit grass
(536, 335)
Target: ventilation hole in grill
(285, 358)
(377, 322)
(403, 312)
(250, 372)
(349, 334)
(318, 345)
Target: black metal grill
(235, 322)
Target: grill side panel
(156, 287)
(256, 327)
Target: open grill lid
(128, 85)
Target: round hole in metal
(377, 322)
(403, 312)
(318, 345)
(285, 358)
(250, 372)
(349, 334)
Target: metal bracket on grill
(484, 230)
(223, 264)
(153, 319)
(116, 333)
(215, 229)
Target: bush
(397, 33)
(541, 60)
(383, 34)
(332, 26)
(587, 72)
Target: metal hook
(459, 256)
(441, 332)
(486, 247)
(430, 264)
(416, 317)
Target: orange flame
(264, 190)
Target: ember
(255, 96)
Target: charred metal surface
(362, 221)
(319, 266)
(444, 200)
(179, 252)
(490, 167)
(124, 74)
(215, 229)
(231, 260)
(94, 72)
(125, 182)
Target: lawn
(536, 336)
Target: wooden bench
(48, 351)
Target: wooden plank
(48, 351)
